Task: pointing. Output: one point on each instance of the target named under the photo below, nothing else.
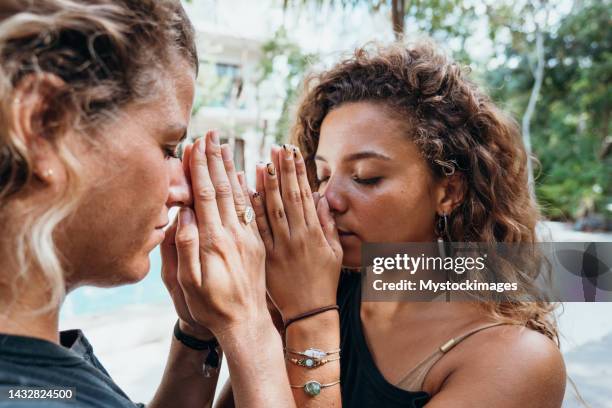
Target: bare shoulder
(505, 366)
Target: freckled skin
(399, 207)
(130, 183)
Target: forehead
(358, 126)
(174, 97)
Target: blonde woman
(401, 147)
(95, 97)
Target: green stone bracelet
(313, 388)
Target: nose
(179, 192)
(336, 197)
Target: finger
(329, 226)
(274, 153)
(274, 204)
(188, 251)
(308, 203)
(259, 206)
(290, 189)
(316, 196)
(240, 200)
(223, 188)
(169, 257)
(260, 170)
(204, 195)
(186, 159)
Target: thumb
(328, 225)
(188, 251)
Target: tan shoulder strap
(413, 380)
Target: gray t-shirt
(30, 362)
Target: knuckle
(184, 240)
(306, 194)
(223, 189)
(294, 196)
(278, 213)
(206, 193)
(239, 199)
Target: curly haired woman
(397, 141)
(95, 97)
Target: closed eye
(368, 182)
(172, 152)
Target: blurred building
(230, 96)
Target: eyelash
(171, 152)
(366, 182)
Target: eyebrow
(368, 154)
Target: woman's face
(131, 180)
(378, 186)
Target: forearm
(320, 332)
(184, 384)
(256, 365)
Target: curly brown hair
(455, 125)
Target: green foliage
(572, 116)
(283, 58)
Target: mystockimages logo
(596, 272)
(499, 272)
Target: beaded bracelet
(311, 362)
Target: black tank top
(362, 384)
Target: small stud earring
(48, 173)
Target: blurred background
(548, 63)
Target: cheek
(397, 214)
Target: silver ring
(247, 216)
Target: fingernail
(201, 145)
(215, 137)
(226, 152)
(186, 216)
(295, 152)
(256, 196)
(270, 168)
(288, 152)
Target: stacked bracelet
(311, 362)
(313, 352)
(310, 314)
(313, 388)
(211, 364)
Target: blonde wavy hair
(107, 54)
(455, 126)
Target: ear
(34, 122)
(451, 193)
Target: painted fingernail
(295, 152)
(226, 152)
(288, 151)
(256, 196)
(186, 216)
(271, 169)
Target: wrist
(321, 330)
(243, 335)
(199, 332)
